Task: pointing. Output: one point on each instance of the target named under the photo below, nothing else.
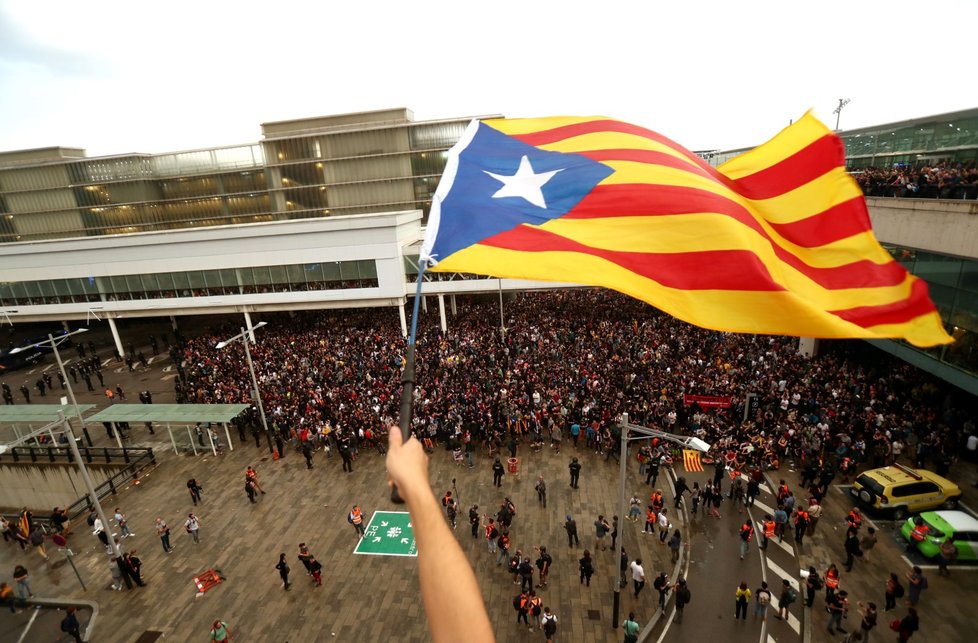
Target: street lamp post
(643, 432)
(243, 336)
(61, 367)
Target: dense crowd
(942, 181)
(568, 364)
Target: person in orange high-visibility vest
(801, 524)
(657, 501)
(831, 581)
(650, 520)
(356, 519)
(746, 533)
(854, 519)
(919, 533)
(769, 526)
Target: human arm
(445, 575)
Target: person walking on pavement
(250, 489)
(192, 525)
(120, 519)
(70, 625)
(355, 518)
(570, 526)
(741, 600)
(762, 599)
(134, 567)
(252, 475)
(661, 585)
(586, 566)
(221, 632)
(575, 472)
(852, 549)
(163, 531)
(683, 596)
(497, 473)
(675, 543)
(23, 582)
(680, 488)
(541, 489)
(601, 529)
(475, 519)
(813, 583)
(836, 608)
(638, 575)
(26, 392)
(746, 533)
(195, 488)
(543, 565)
(631, 628)
(283, 571)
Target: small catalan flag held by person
(691, 460)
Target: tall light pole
(64, 376)
(243, 336)
(838, 111)
(643, 432)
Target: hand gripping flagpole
(407, 375)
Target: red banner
(717, 401)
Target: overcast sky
(124, 76)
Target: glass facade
(333, 275)
(326, 170)
(947, 138)
(953, 284)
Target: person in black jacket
(283, 571)
(497, 473)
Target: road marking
(774, 540)
(776, 569)
(668, 624)
(763, 507)
(106, 362)
(763, 485)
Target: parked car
(901, 491)
(960, 525)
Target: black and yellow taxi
(898, 490)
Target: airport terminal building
(329, 212)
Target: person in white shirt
(193, 527)
(638, 575)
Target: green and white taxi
(961, 526)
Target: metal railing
(137, 460)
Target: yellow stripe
(519, 126)
(923, 327)
(827, 191)
(778, 313)
(671, 234)
(711, 231)
(615, 141)
(787, 142)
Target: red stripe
(838, 222)
(804, 166)
(658, 200)
(548, 136)
(650, 157)
(707, 270)
(916, 305)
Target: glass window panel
(245, 276)
(46, 287)
(368, 269)
(965, 313)
(349, 270)
(118, 284)
(938, 269)
(196, 278)
(312, 271)
(181, 280)
(969, 276)
(228, 278)
(279, 276)
(331, 271)
(261, 274)
(295, 274)
(150, 283)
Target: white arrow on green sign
(389, 533)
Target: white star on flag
(525, 183)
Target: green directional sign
(389, 533)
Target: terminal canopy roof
(176, 413)
(38, 413)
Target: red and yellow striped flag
(692, 461)
(775, 241)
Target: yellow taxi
(900, 491)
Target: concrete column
(807, 346)
(454, 310)
(173, 323)
(403, 316)
(115, 336)
(64, 325)
(424, 303)
(441, 313)
(251, 333)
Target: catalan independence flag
(776, 241)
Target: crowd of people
(569, 364)
(941, 181)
